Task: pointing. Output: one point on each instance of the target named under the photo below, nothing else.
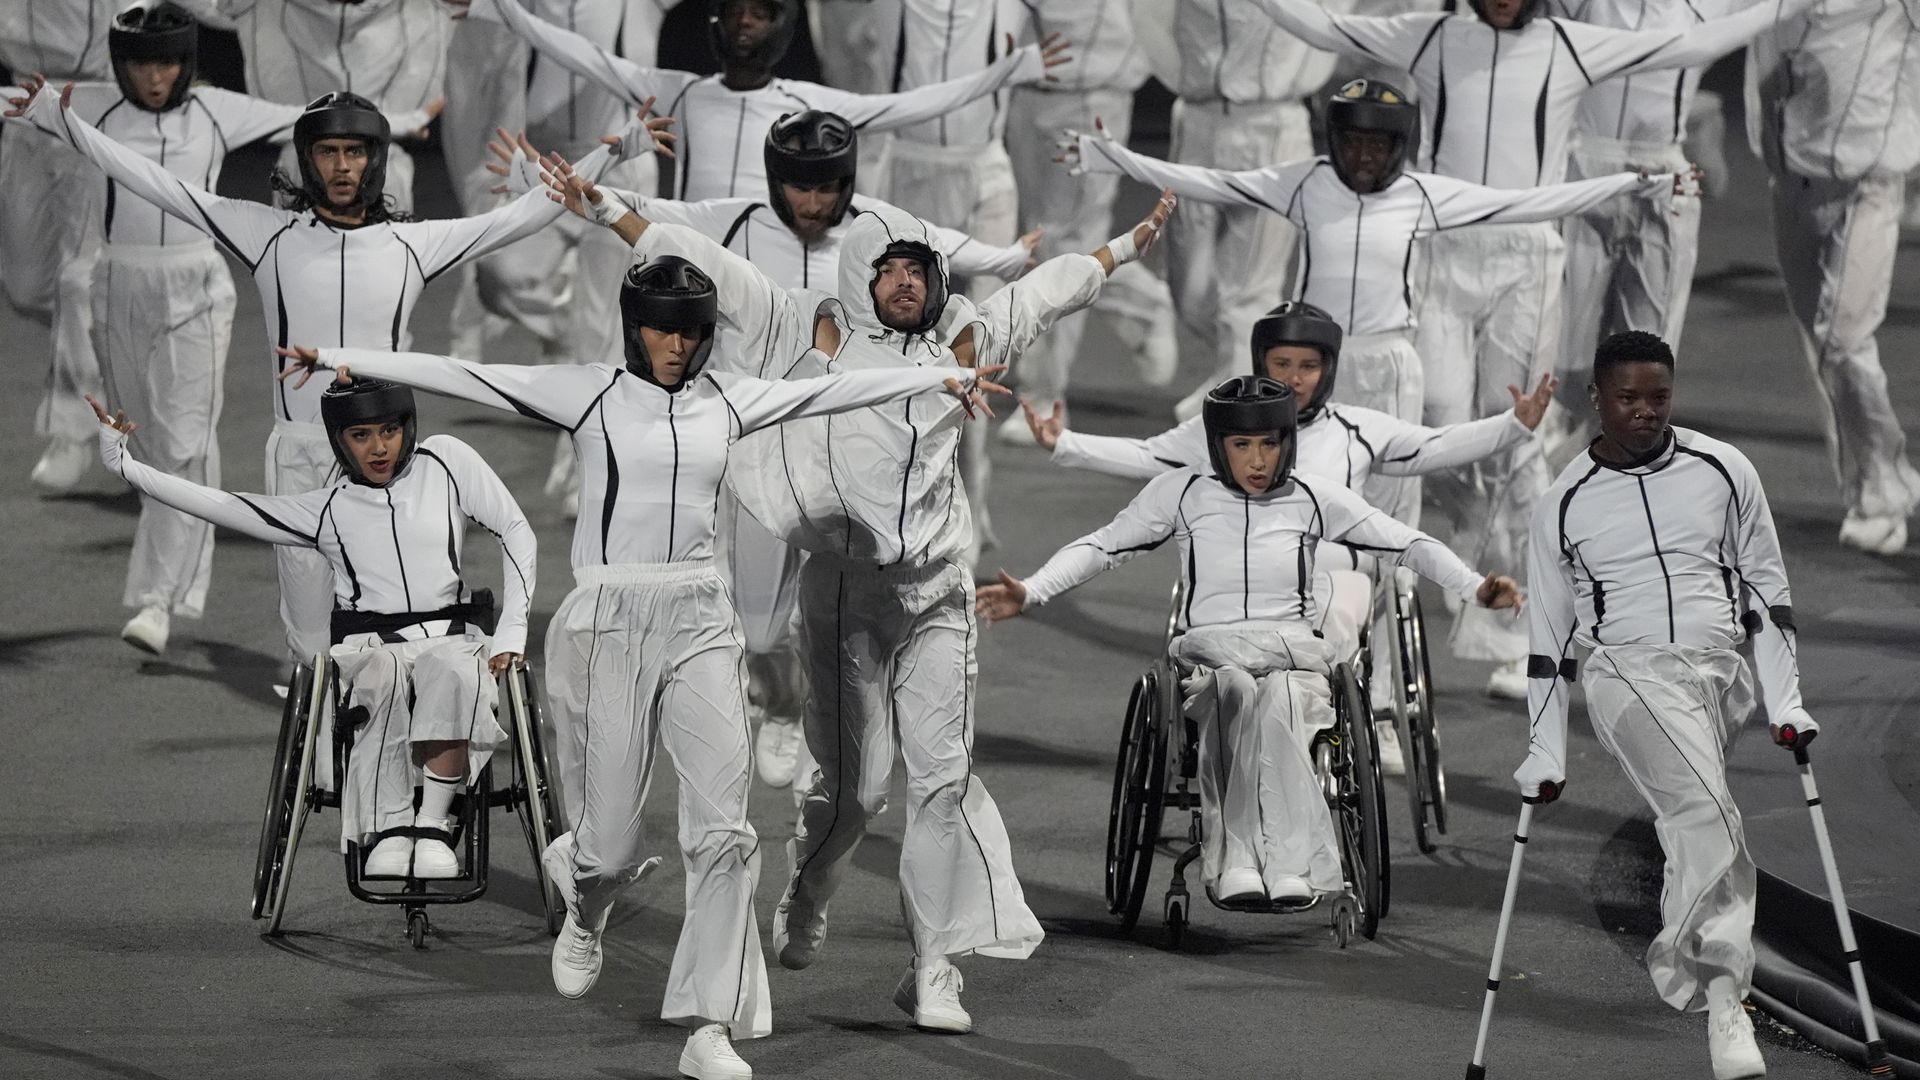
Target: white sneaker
(1015, 432)
(803, 772)
(709, 1055)
(1393, 762)
(147, 631)
(1730, 1044)
(1508, 681)
(932, 997)
(61, 467)
(1291, 889)
(776, 749)
(1240, 883)
(576, 952)
(1158, 358)
(433, 858)
(1885, 535)
(390, 858)
(799, 927)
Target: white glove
(523, 174)
(610, 209)
(1540, 768)
(113, 444)
(635, 139)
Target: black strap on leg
(1543, 667)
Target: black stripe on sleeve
(1575, 53)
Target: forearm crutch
(1877, 1063)
(1476, 1069)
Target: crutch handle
(1549, 791)
(1796, 740)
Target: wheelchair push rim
(1139, 796)
(1433, 775)
(298, 796)
(532, 792)
(1361, 810)
(268, 856)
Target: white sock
(436, 797)
(931, 963)
(1722, 993)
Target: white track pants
(1836, 241)
(890, 655)
(1229, 265)
(1489, 311)
(1383, 372)
(50, 241)
(1629, 267)
(1261, 804)
(163, 318)
(640, 658)
(1667, 714)
(299, 459)
(1077, 212)
(763, 576)
(433, 690)
(1345, 598)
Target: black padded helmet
(368, 401)
(1297, 322)
(668, 293)
(1372, 105)
(154, 31)
(1250, 405)
(786, 21)
(811, 147)
(935, 266)
(343, 115)
(1528, 9)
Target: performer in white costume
(50, 226)
(1259, 688)
(163, 300)
(419, 683)
(645, 652)
(1655, 550)
(887, 614)
(1075, 211)
(1299, 345)
(340, 269)
(1833, 107)
(1499, 110)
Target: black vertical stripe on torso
(738, 224)
(346, 561)
(1540, 120)
(613, 483)
(112, 188)
(1439, 106)
(1493, 81)
(280, 314)
(399, 556)
(673, 484)
(454, 508)
(683, 150)
(1567, 549)
(1666, 578)
(1246, 556)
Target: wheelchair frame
(294, 791)
(1410, 670)
(1346, 758)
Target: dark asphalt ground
(133, 787)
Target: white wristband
(1123, 249)
(610, 209)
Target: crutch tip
(1476, 1072)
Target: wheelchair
(301, 783)
(1410, 675)
(1157, 769)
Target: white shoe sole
(719, 1070)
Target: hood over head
(872, 237)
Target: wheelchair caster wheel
(417, 929)
(1176, 920)
(1346, 921)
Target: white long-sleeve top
(190, 141)
(879, 486)
(651, 461)
(722, 131)
(394, 549)
(1497, 106)
(1679, 550)
(1344, 443)
(1246, 557)
(391, 52)
(1357, 251)
(1105, 54)
(1231, 52)
(320, 284)
(1835, 92)
(751, 229)
(1648, 107)
(61, 39)
(940, 40)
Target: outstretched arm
(620, 77)
(1550, 665)
(557, 394)
(1350, 520)
(885, 112)
(1180, 447)
(1407, 449)
(1456, 203)
(1605, 52)
(758, 403)
(1394, 40)
(1271, 188)
(1146, 523)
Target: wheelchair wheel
(1412, 701)
(294, 798)
(1425, 742)
(1139, 797)
(1361, 814)
(286, 764)
(533, 795)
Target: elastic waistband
(668, 573)
(1378, 340)
(299, 429)
(1629, 152)
(195, 250)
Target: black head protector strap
(935, 266)
(1297, 322)
(368, 401)
(786, 21)
(663, 294)
(343, 115)
(1528, 9)
(158, 31)
(1374, 106)
(807, 148)
(1250, 405)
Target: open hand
(1031, 241)
(1002, 601)
(501, 662)
(117, 421)
(1500, 592)
(975, 396)
(1046, 429)
(1147, 233)
(655, 128)
(30, 86)
(1054, 51)
(569, 188)
(1529, 409)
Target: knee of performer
(1233, 684)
